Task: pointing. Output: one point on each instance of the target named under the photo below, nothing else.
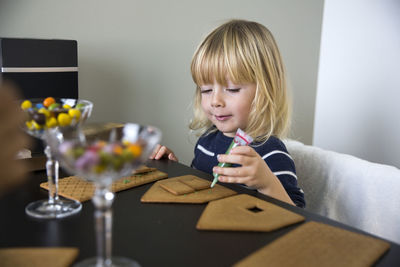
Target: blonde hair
(245, 52)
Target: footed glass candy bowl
(50, 113)
(102, 160)
(45, 116)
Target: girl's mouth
(222, 118)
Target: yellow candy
(29, 125)
(44, 111)
(74, 113)
(126, 142)
(64, 119)
(51, 122)
(99, 168)
(26, 104)
(36, 125)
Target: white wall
(134, 55)
(357, 108)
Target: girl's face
(227, 107)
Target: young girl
(241, 83)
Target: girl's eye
(233, 90)
(205, 91)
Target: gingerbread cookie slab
(197, 191)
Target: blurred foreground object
(24, 154)
(12, 139)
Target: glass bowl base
(115, 262)
(42, 209)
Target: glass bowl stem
(102, 200)
(52, 167)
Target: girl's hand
(163, 152)
(253, 172)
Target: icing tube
(240, 139)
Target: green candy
(117, 163)
(127, 155)
(105, 158)
(80, 105)
(78, 151)
(54, 106)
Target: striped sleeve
(282, 165)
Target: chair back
(350, 190)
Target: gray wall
(357, 110)
(134, 56)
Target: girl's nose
(217, 99)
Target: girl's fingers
(231, 172)
(172, 156)
(239, 155)
(233, 159)
(155, 151)
(161, 152)
(242, 150)
(230, 179)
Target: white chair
(350, 190)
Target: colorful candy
(64, 119)
(26, 104)
(74, 113)
(51, 122)
(100, 156)
(49, 101)
(50, 114)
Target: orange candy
(117, 150)
(101, 144)
(136, 150)
(48, 101)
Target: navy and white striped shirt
(273, 151)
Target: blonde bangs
(217, 59)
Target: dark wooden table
(152, 234)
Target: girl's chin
(227, 132)
(226, 128)
(230, 134)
